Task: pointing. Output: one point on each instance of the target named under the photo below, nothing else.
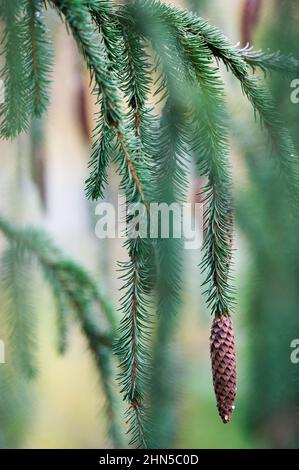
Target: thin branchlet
(40, 56)
(132, 346)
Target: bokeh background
(42, 183)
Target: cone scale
(223, 359)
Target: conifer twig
(40, 60)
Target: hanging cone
(223, 358)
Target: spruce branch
(128, 61)
(265, 60)
(206, 90)
(16, 109)
(40, 56)
(212, 147)
(80, 295)
(268, 61)
(126, 152)
(132, 347)
(27, 67)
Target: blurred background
(42, 183)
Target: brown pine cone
(223, 358)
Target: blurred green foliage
(264, 215)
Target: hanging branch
(190, 22)
(171, 185)
(212, 139)
(132, 346)
(15, 111)
(28, 60)
(104, 145)
(212, 149)
(39, 51)
(218, 241)
(170, 166)
(79, 294)
(127, 155)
